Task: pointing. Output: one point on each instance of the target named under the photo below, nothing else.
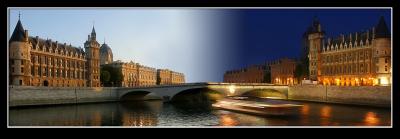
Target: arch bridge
(169, 92)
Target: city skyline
(201, 43)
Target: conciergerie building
(35, 61)
(359, 58)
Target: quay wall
(379, 96)
(28, 95)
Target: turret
(19, 56)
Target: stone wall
(28, 95)
(360, 95)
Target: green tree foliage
(115, 76)
(104, 76)
(267, 77)
(302, 69)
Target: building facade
(135, 74)
(282, 72)
(167, 77)
(251, 74)
(129, 72)
(177, 77)
(38, 62)
(350, 60)
(147, 76)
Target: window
(386, 68)
(361, 68)
(40, 71)
(386, 60)
(22, 62)
(22, 70)
(12, 69)
(32, 70)
(12, 62)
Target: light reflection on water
(156, 113)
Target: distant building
(282, 72)
(129, 73)
(147, 76)
(251, 74)
(166, 77)
(360, 58)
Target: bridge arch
(266, 92)
(197, 95)
(134, 95)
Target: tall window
(22, 70)
(40, 71)
(32, 70)
(361, 68)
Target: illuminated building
(360, 58)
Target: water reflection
(371, 119)
(227, 120)
(157, 113)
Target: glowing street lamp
(232, 89)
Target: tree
(104, 77)
(267, 77)
(115, 75)
(302, 69)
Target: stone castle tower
(92, 48)
(19, 56)
(315, 40)
(381, 52)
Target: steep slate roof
(382, 30)
(19, 33)
(52, 44)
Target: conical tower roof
(19, 33)
(382, 30)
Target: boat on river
(265, 107)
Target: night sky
(267, 34)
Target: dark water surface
(157, 113)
